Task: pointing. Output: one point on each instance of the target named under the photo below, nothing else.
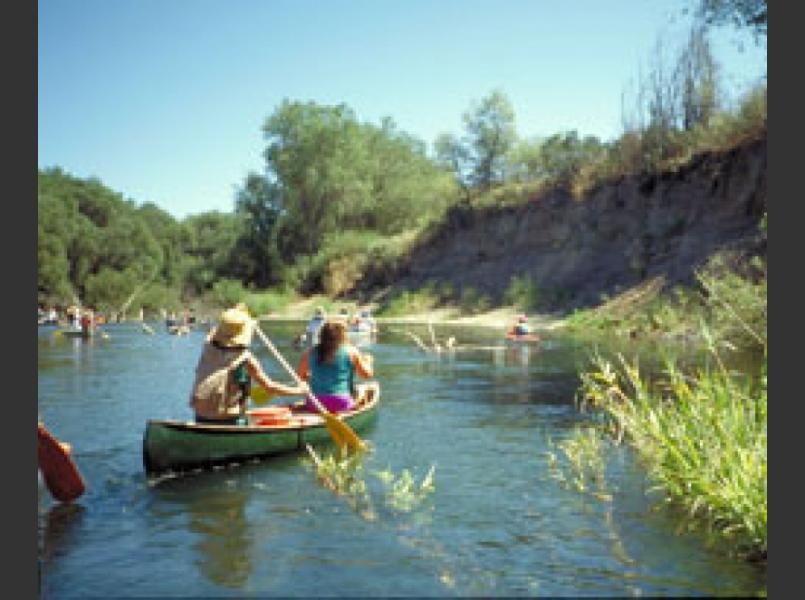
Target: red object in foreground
(58, 470)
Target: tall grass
(702, 439)
(701, 433)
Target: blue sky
(163, 100)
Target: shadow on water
(60, 524)
(215, 512)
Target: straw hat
(320, 312)
(522, 318)
(235, 328)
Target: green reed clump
(581, 466)
(702, 437)
(343, 473)
(402, 491)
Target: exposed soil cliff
(618, 235)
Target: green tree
(256, 257)
(454, 157)
(478, 159)
(212, 238)
(313, 152)
(697, 80)
(490, 135)
(752, 14)
(563, 154)
(334, 173)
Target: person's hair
(331, 335)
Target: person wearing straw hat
(225, 370)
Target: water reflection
(513, 354)
(60, 522)
(225, 539)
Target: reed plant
(578, 463)
(702, 438)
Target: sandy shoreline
(500, 318)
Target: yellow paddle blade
(260, 396)
(342, 434)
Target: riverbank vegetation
(701, 431)
(341, 202)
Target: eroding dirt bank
(578, 251)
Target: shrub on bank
(409, 302)
(732, 303)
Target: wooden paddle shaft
(287, 367)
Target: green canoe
(175, 446)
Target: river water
(497, 523)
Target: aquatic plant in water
(402, 492)
(581, 466)
(343, 474)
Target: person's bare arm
(271, 386)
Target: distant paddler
(521, 331)
(310, 337)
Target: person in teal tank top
(331, 366)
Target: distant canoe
(179, 330)
(175, 446)
(76, 333)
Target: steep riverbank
(578, 251)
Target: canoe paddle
(342, 434)
(259, 395)
(60, 473)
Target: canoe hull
(76, 334)
(176, 446)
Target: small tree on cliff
(478, 159)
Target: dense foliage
(97, 248)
